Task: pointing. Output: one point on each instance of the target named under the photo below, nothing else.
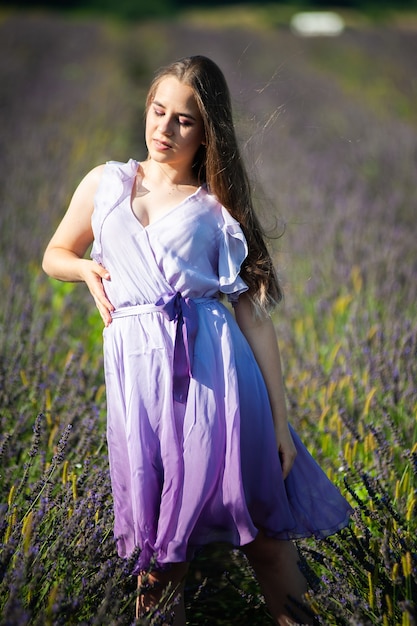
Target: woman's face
(174, 127)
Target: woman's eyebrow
(191, 117)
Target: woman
(199, 443)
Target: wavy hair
(219, 164)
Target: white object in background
(316, 23)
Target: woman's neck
(168, 176)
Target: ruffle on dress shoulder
(233, 250)
(116, 175)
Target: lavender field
(329, 128)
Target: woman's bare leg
(156, 584)
(276, 567)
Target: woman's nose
(165, 125)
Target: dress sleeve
(232, 252)
(109, 192)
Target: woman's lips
(161, 145)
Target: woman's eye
(182, 121)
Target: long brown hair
(219, 164)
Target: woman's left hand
(286, 448)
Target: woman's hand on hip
(93, 275)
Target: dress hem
(147, 557)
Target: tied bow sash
(184, 312)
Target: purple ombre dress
(192, 450)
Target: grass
(337, 162)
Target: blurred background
(142, 8)
(324, 97)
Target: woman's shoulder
(112, 177)
(87, 187)
(209, 205)
(113, 182)
(93, 177)
(122, 169)
(223, 215)
(207, 197)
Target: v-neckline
(165, 213)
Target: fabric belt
(182, 311)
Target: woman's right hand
(64, 256)
(93, 275)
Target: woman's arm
(64, 255)
(261, 336)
